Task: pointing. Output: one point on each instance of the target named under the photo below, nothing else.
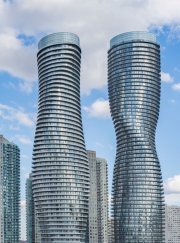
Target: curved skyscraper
(134, 87)
(60, 168)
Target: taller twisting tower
(60, 175)
(134, 87)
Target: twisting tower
(134, 92)
(60, 169)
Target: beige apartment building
(98, 201)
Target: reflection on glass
(134, 94)
(60, 167)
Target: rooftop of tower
(133, 36)
(3, 140)
(58, 38)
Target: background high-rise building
(60, 173)
(32, 231)
(110, 230)
(98, 201)
(9, 191)
(30, 217)
(134, 86)
(172, 217)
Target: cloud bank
(24, 22)
(172, 185)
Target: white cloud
(172, 185)
(99, 144)
(11, 127)
(26, 86)
(26, 175)
(12, 114)
(19, 60)
(163, 48)
(165, 77)
(172, 199)
(9, 85)
(23, 168)
(111, 147)
(99, 109)
(176, 69)
(91, 20)
(24, 156)
(23, 139)
(176, 87)
(172, 101)
(23, 207)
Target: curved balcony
(134, 94)
(59, 125)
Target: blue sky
(23, 23)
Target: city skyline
(18, 85)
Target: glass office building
(134, 87)
(60, 175)
(9, 191)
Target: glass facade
(98, 200)
(133, 36)
(60, 168)
(10, 191)
(56, 38)
(30, 219)
(134, 87)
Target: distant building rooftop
(3, 140)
